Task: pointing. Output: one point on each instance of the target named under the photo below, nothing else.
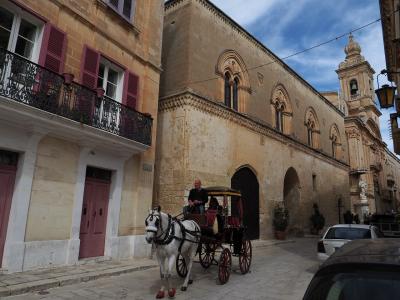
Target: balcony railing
(28, 83)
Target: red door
(7, 178)
(94, 217)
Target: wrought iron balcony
(26, 82)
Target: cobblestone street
(278, 272)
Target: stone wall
(52, 197)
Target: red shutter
(131, 88)
(54, 45)
(90, 67)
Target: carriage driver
(197, 198)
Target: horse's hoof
(160, 295)
(190, 281)
(183, 289)
(171, 293)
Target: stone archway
(246, 181)
(291, 199)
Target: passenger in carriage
(214, 207)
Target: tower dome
(352, 48)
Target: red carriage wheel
(181, 267)
(245, 256)
(224, 266)
(206, 254)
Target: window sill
(121, 20)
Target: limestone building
(374, 170)
(264, 130)
(79, 84)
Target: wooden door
(7, 178)
(94, 217)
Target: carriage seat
(233, 221)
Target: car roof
(367, 251)
(362, 226)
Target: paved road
(278, 272)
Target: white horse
(170, 238)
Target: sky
(287, 26)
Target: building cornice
(201, 103)
(386, 10)
(171, 5)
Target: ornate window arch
(234, 80)
(334, 136)
(313, 130)
(281, 109)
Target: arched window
(234, 83)
(312, 126)
(281, 110)
(227, 89)
(353, 87)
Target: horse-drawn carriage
(223, 235)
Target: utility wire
(301, 51)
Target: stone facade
(46, 207)
(220, 118)
(372, 166)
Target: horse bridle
(158, 225)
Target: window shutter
(131, 87)
(90, 67)
(52, 53)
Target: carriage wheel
(224, 266)
(245, 256)
(181, 267)
(206, 254)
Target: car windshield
(348, 233)
(362, 285)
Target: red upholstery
(233, 221)
(211, 214)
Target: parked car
(338, 235)
(360, 270)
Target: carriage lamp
(386, 93)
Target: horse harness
(169, 232)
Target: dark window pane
(24, 47)
(4, 38)
(361, 285)
(348, 233)
(6, 18)
(227, 91)
(127, 8)
(27, 30)
(235, 94)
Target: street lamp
(386, 93)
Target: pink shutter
(90, 67)
(54, 45)
(131, 88)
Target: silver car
(338, 235)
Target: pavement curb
(44, 284)
(272, 243)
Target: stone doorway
(246, 181)
(291, 200)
